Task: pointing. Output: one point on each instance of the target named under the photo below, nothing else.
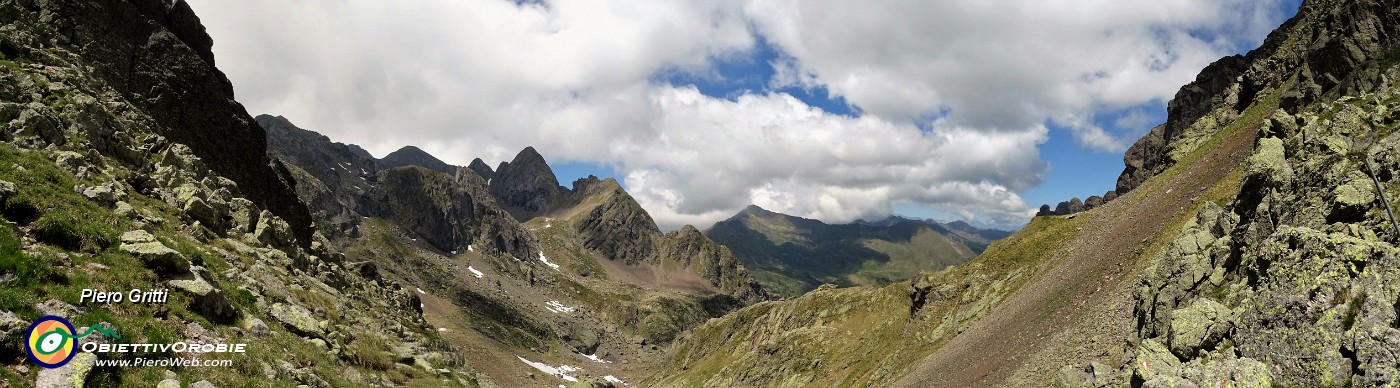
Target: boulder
(7, 190)
(153, 253)
(205, 299)
(71, 375)
(1092, 202)
(1045, 211)
(1075, 205)
(298, 319)
(1200, 325)
(1110, 196)
(1062, 209)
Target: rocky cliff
(332, 178)
(155, 56)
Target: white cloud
(485, 78)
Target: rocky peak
(526, 186)
(332, 177)
(481, 169)
(413, 156)
(1320, 49)
(619, 229)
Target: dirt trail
(1090, 271)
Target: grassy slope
(854, 335)
(805, 340)
(77, 249)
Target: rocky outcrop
(156, 56)
(526, 186)
(1297, 275)
(618, 229)
(332, 178)
(413, 156)
(449, 212)
(713, 262)
(1331, 47)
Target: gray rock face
(450, 212)
(619, 229)
(332, 177)
(526, 186)
(1075, 205)
(713, 262)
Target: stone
(1268, 163)
(205, 299)
(1110, 196)
(1062, 209)
(1153, 360)
(1075, 205)
(297, 319)
(1200, 325)
(124, 210)
(73, 374)
(1092, 202)
(7, 190)
(1045, 211)
(153, 253)
(257, 328)
(202, 384)
(168, 383)
(56, 307)
(199, 210)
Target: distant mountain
(413, 156)
(792, 255)
(525, 186)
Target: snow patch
(595, 358)
(442, 329)
(614, 380)
(555, 307)
(474, 271)
(546, 262)
(469, 248)
(561, 371)
(420, 290)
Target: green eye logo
(50, 341)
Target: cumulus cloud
(955, 96)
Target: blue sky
(1074, 170)
(826, 109)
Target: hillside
(1250, 247)
(130, 166)
(793, 255)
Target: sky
(827, 109)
